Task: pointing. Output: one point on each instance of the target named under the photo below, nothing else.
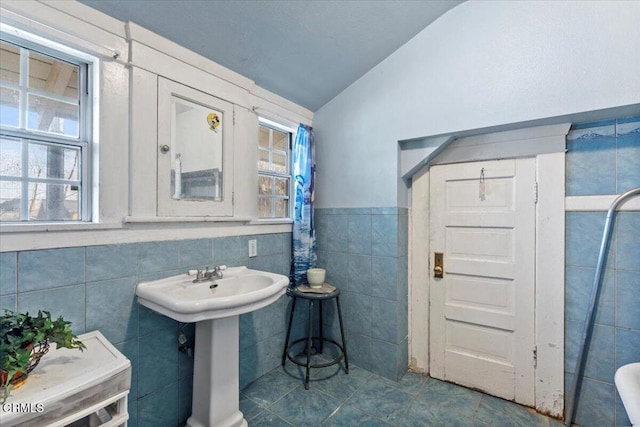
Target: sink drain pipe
(587, 329)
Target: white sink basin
(627, 380)
(216, 306)
(241, 290)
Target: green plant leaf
(20, 331)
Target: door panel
(462, 196)
(482, 217)
(482, 292)
(480, 244)
(479, 341)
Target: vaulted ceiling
(306, 51)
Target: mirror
(196, 151)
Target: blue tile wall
(627, 154)
(364, 251)
(8, 302)
(602, 158)
(51, 268)
(8, 277)
(592, 157)
(111, 262)
(94, 288)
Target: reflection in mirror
(196, 151)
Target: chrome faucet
(217, 272)
(208, 275)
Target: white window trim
(91, 184)
(263, 121)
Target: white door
(482, 218)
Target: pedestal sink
(215, 305)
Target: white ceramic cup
(315, 277)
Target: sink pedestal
(216, 384)
(215, 308)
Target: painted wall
(94, 288)
(602, 158)
(482, 64)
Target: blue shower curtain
(304, 239)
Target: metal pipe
(587, 329)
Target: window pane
(49, 115)
(279, 163)
(282, 208)
(9, 63)
(265, 184)
(50, 161)
(10, 198)
(273, 158)
(41, 180)
(279, 140)
(264, 207)
(263, 160)
(10, 157)
(263, 137)
(282, 186)
(53, 76)
(72, 164)
(9, 107)
(53, 202)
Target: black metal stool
(342, 353)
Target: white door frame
(550, 225)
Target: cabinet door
(195, 153)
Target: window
(44, 133)
(274, 171)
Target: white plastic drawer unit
(70, 387)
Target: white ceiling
(305, 51)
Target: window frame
(275, 126)
(86, 138)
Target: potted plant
(24, 339)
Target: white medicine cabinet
(195, 152)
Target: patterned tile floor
(365, 399)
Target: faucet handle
(198, 273)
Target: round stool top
(313, 295)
